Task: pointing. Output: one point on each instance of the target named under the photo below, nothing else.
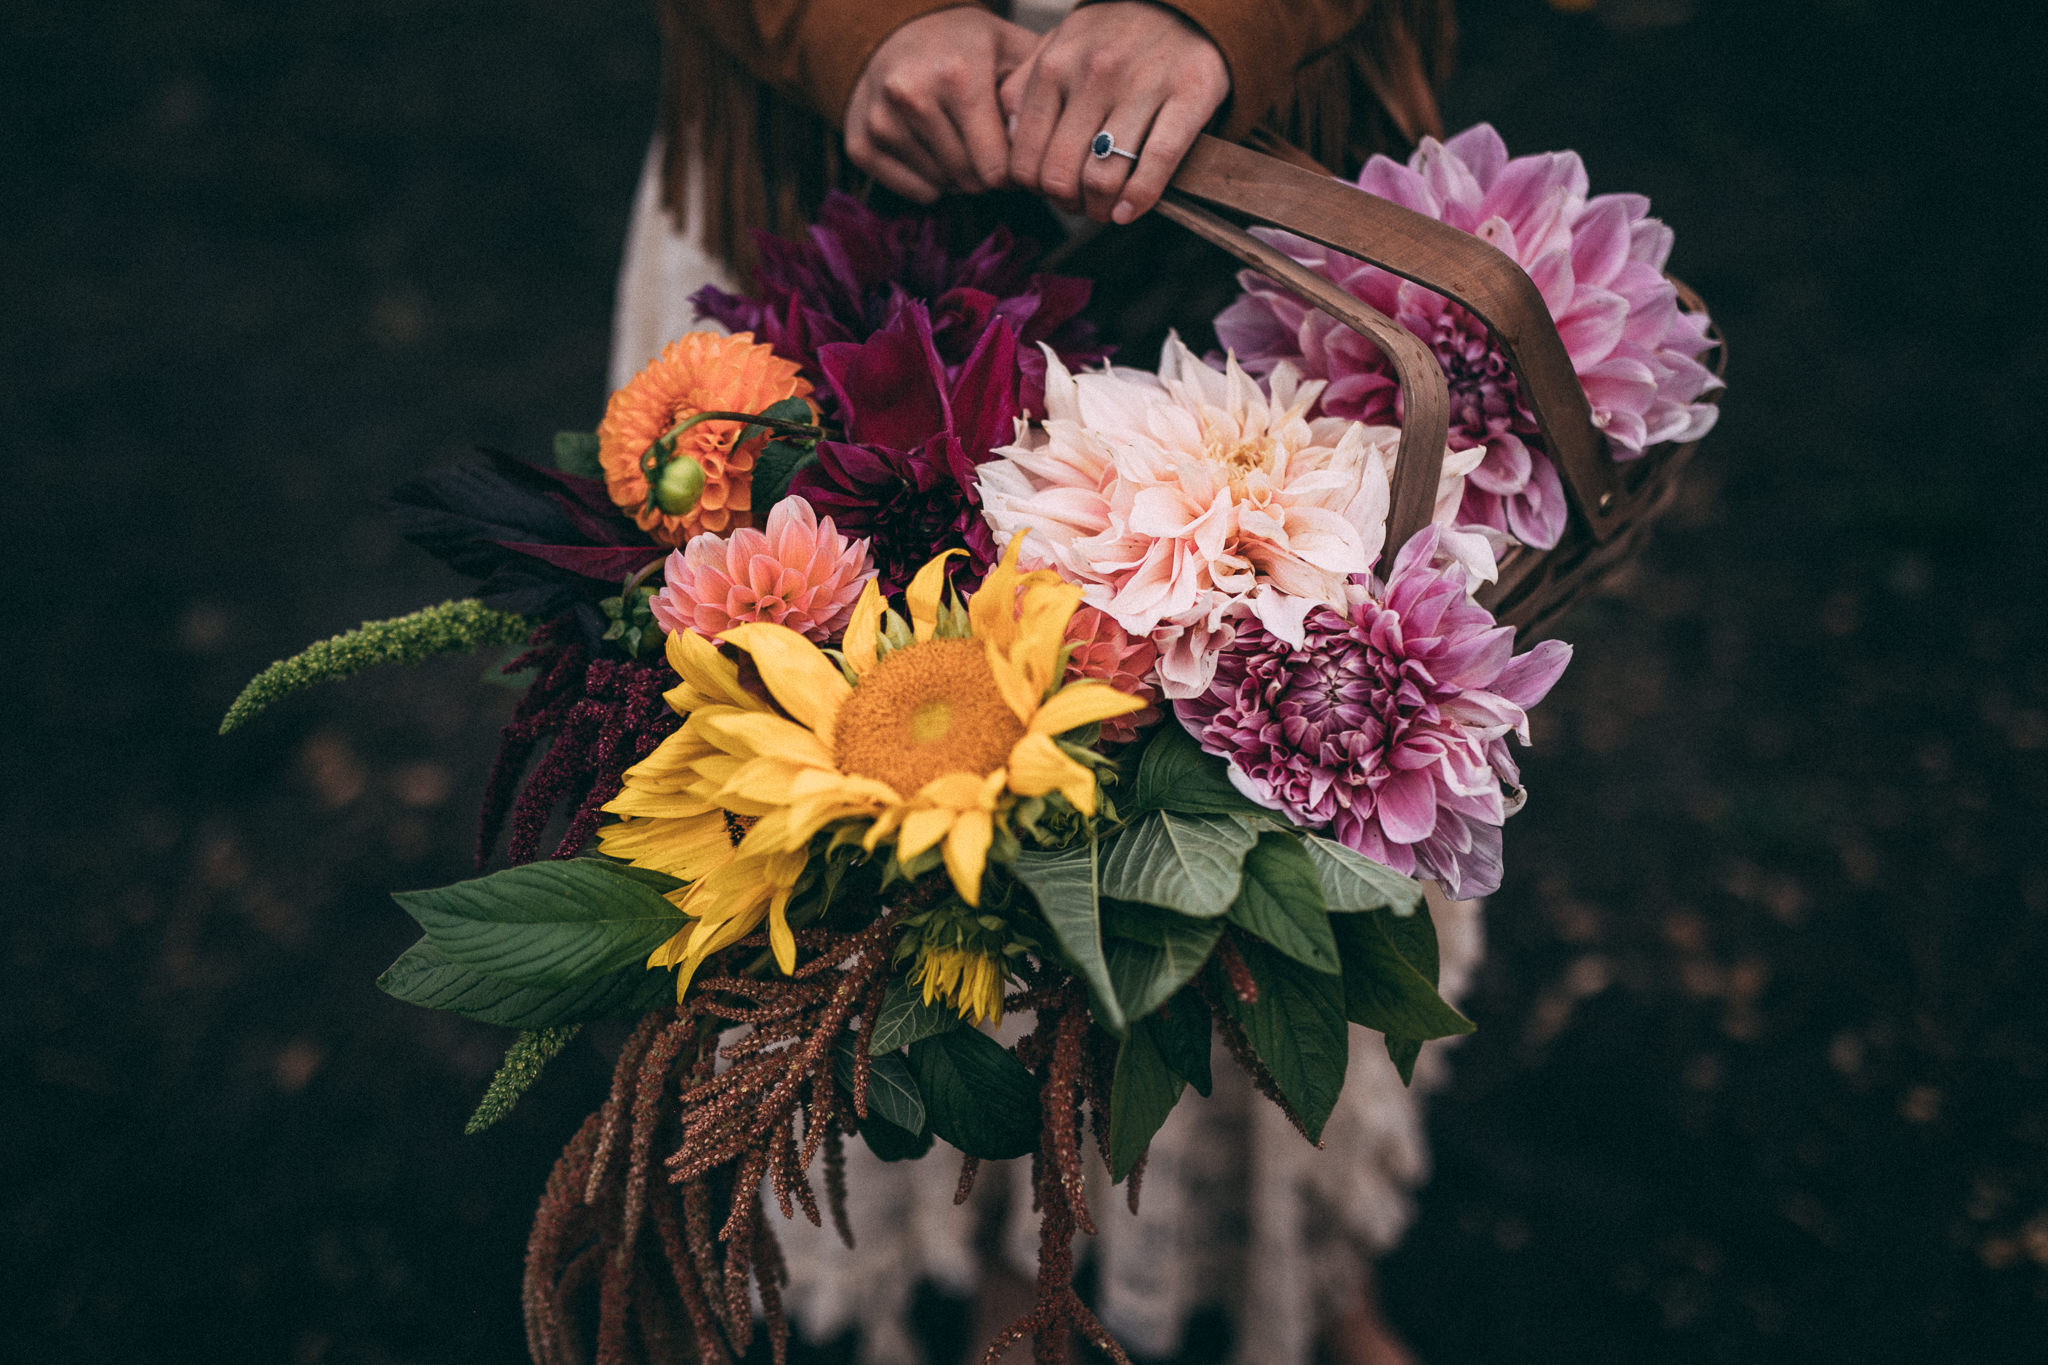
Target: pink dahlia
(1183, 502)
(1387, 724)
(1599, 263)
(1100, 648)
(799, 573)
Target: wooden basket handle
(1470, 272)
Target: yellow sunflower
(929, 742)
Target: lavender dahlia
(1599, 262)
(1388, 725)
(846, 279)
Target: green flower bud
(679, 485)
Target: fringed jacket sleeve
(810, 50)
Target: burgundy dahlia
(1388, 725)
(904, 477)
(846, 280)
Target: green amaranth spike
(529, 1052)
(452, 627)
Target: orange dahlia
(701, 372)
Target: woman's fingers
(923, 118)
(1180, 121)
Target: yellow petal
(1082, 703)
(1037, 766)
(1042, 631)
(967, 853)
(1015, 687)
(922, 829)
(993, 608)
(715, 678)
(923, 596)
(689, 849)
(864, 630)
(756, 734)
(802, 679)
(959, 791)
(783, 876)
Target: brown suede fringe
(768, 162)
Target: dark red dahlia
(846, 280)
(915, 433)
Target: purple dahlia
(1599, 262)
(1388, 725)
(845, 280)
(904, 477)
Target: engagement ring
(1104, 147)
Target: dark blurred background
(1762, 1072)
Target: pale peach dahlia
(1183, 502)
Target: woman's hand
(1142, 72)
(924, 118)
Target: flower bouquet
(902, 669)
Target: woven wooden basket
(1613, 504)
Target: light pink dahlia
(1100, 648)
(1388, 723)
(1599, 263)
(799, 572)
(1183, 502)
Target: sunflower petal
(1082, 703)
(923, 596)
(802, 678)
(1014, 685)
(864, 630)
(922, 829)
(993, 608)
(759, 735)
(713, 677)
(1037, 766)
(688, 848)
(967, 853)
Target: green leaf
(1064, 885)
(529, 1053)
(451, 628)
(1353, 882)
(1181, 1032)
(892, 1094)
(1282, 902)
(1296, 1026)
(576, 453)
(1175, 774)
(546, 924)
(774, 467)
(1190, 863)
(424, 976)
(788, 410)
(1384, 990)
(1153, 953)
(1414, 938)
(891, 1143)
(1140, 1097)
(904, 1018)
(979, 1097)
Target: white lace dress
(1237, 1213)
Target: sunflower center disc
(924, 712)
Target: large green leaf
(979, 1097)
(1384, 990)
(1064, 885)
(423, 975)
(1140, 1097)
(1175, 774)
(546, 924)
(1282, 902)
(576, 453)
(1353, 882)
(1296, 1026)
(892, 1094)
(904, 1018)
(891, 1143)
(1153, 953)
(1181, 1032)
(1189, 863)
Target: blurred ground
(1762, 1072)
